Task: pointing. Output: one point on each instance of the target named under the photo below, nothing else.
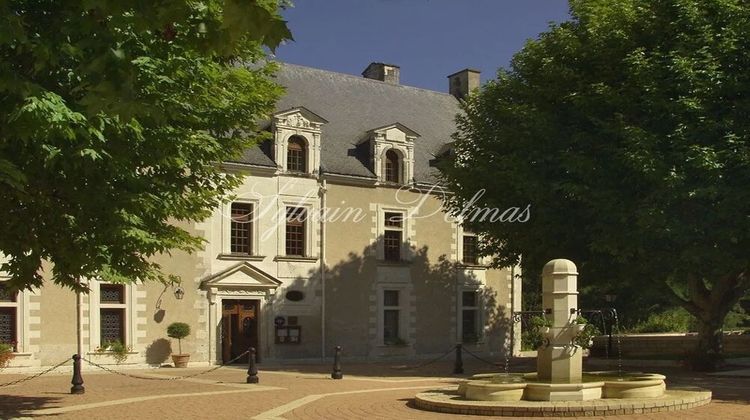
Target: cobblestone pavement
(368, 391)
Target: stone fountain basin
(595, 385)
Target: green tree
(114, 118)
(626, 129)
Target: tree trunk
(710, 306)
(708, 354)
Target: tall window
(295, 155)
(8, 316)
(112, 313)
(470, 316)
(391, 315)
(393, 236)
(241, 229)
(296, 219)
(470, 247)
(392, 167)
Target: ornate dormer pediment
(306, 127)
(299, 118)
(241, 276)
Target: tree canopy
(627, 130)
(114, 118)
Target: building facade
(336, 237)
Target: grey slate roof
(354, 105)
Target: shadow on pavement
(12, 406)
(405, 368)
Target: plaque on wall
(288, 335)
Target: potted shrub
(586, 334)
(535, 335)
(179, 330)
(6, 355)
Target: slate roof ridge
(366, 80)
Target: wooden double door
(239, 328)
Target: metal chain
(171, 378)
(28, 378)
(479, 358)
(429, 362)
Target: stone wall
(634, 345)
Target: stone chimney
(388, 73)
(460, 84)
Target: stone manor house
(336, 237)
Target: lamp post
(179, 292)
(610, 299)
(77, 381)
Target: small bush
(6, 355)
(178, 330)
(671, 320)
(585, 338)
(737, 318)
(117, 350)
(532, 337)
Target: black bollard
(337, 364)
(77, 381)
(458, 367)
(252, 370)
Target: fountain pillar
(558, 361)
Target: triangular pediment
(299, 116)
(396, 132)
(242, 275)
(408, 132)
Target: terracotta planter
(180, 360)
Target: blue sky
(428, 39)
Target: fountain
(559, 382)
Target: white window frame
(308, 153)
(479, 308)
(226, 227)
(311, 251)
(20, 305)
(95, 307)
(406, 232)
(401, 156)
(403, 316)
(461, 246)
(460, 233)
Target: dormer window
(392, 153)
(392, 167)
(296, 157)
(296, 145)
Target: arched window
(296, 155)
(392, 167)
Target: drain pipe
(323, 210)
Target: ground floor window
(112, 327)
(391, 317)
(470, 319)
(8, 317)
(112, 304)
(8, 326)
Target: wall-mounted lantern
(179, 292)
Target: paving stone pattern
(368, 391)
